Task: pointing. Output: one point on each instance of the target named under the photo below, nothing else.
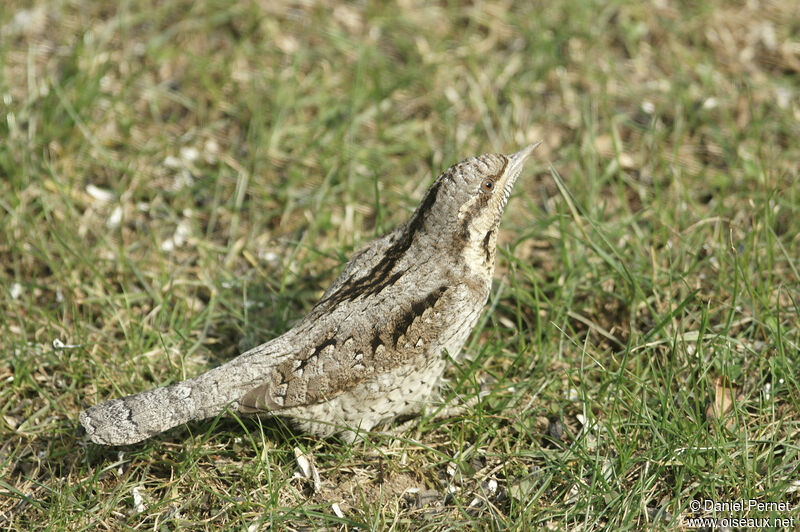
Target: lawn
(181, 180)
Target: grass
(183, 179)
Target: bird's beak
(517, 159)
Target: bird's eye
(488, 185)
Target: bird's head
(464, 205)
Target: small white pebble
(182, 179)
(270, 257)
(768, 37)
(337, 510)
(783, 97)
(573, 394)
(100, 194)
(15, 290)
(190, 154)
(492, 486)
(172, 162)
(115, 218)
(26, 21)
(183, 230)
(626, 161)
(302, 462)
(138, 500)
(178, 239)
(211, 146)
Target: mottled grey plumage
(372, 347)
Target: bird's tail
(137, 417)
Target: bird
(375, 345)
